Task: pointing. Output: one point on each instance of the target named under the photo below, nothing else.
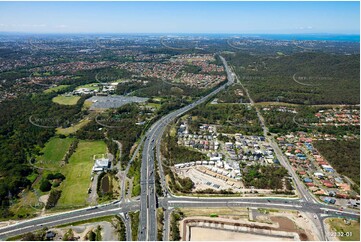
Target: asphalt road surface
(148, 218)
(65, 218)
(148, 204)
(323, 211)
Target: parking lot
(116, 101)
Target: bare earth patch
(44, 199)
(206, 234)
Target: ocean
(320, 37)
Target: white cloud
(23, 25)
(302, 27)
(61, 26)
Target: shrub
(91, 236)
(45, 185)
(57, 175)
(53, 199)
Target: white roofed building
(101, 164)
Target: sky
(181, 17)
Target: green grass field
(72, 129)
(64, 100)
(24, 208)
(87, 104)
(77, 172)
(55, 89)
(351, 232)
(91, 86)
(53, 152)
(153, 105)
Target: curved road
(148, 218)
(147, 203)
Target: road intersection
(149, 201)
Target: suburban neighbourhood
(180, 121)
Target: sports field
(77, 172)
(66, 100)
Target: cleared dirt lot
(240, 224)
(206, 234)
(80, 231)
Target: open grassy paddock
(72, 129)
(350, 232)
(66, 100)
(78, 172)
(53, 152)
(26, 207)
(76, 126)
(55, 89)
(91, 86)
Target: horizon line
(192, 33)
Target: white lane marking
(215, 202)
(342, 212)
(49, 216)
(83, 215)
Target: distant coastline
(285, 37)
(321, 37)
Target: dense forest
(151, 87)
(303, 78)
(175, 153)
(118, 124)
(231, 118)
(26, 124)
(233, 94)
(343, 155)
(264, 177)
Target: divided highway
(148, 218)
(148, 200)
(26, 226)
(115, 208)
